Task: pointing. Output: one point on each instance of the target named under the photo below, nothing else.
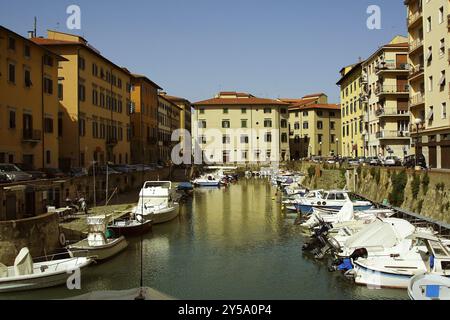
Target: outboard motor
(359, 253)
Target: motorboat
(208, 180)
(429, 287)
(331, 200)
(27, 275)
(97, 245)
(158, 202)
(426, 255)
(130, 227)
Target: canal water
(230, 243)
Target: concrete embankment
(424, 193)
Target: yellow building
(144, 120)
(28, 102)
(429, 56)
(94, 115)
(385, 94)
(352, 111)
(238, 127)
(168, 121)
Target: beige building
(429, 55)
(314, 127)
(352, 111)
(95, 103)
(28, 102)
(385, 93)
(236, 127)
(168, 121)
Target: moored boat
(130, 227)
(429, 287)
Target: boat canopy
(23, 265)
(346, 213)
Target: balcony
(391, 112)
(392, 67)
(415, 45)
(392, 89)
(416, 72)
(414, 129)
(414, 18)
(32, 136)
(417, 100)
(391, 134)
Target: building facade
(429, 55)
(236, 127)
(385, 94)
(95, 104)
(28, 103)
(144, 120)
(168, 121)
(352, 112)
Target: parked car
(392, 161)
(374, 161)
(102, 170)
(410, 161)
(3, 178)
(78, 172)
(36, 174)
(353, 162)
(316, 159)
(13, 173)
(361, 160)
(53, 173)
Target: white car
(391, 161)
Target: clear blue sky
(195, 48)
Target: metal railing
(415, 44)
(412, 18)
(385, 134)
(416, 99)
(389, 66)
(392, 89)
(391, 112)
(32, 135)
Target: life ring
(62, 239)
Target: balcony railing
(392, 89)
(415, 45)
(413, 18)
(391, 134)
(416, 70)
(391, 112)
(32, 135)
(417, 99)
(392, 66)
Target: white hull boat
(429, 287)
(26, 275)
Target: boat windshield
(438, 249)
(157, 184)
(332, 196)
(340, 196)
(325, 195)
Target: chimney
(31, 34)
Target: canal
(232, 243)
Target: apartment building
(95, 103)
(168, 121)
(236, 127)
(185, 118)
(29, 102)
(144, 120)
(352, 111)
(428, 29)
(315, 129)
(385, 94)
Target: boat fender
(139, 218)
(62, 239)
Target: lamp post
(337, 145)
(418, 122)
(321, 143)
(364, 134)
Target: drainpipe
(42, 112)
(78, 108)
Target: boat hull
(131, 231)
(165, 216)
(100, 253)
(378, 279)
(305, 208)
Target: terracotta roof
(44, 41)
(145, 78)
(396, 45)
(173, 98)
(239, 101)
(317, 106)
(314, 95)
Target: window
(225, 124)
(48, 61)
(202, 124)
(305, 125)
(12, 73)
(296, 114)
(12, 119)
(430, 83)
(267, 110)
(284, 123)
(82, 92)
(332, 114)
(243, 123)
(267, 123)
(202, 111)
(332, 125)
(243, 110)
(27, 78)
(94, 70)
(429, 57)
(442, 48)
(119, 83)
(244, 139)
(283, 110)
(296, 126)
(60, 91)
(48, 125)
(202, 139)
(82, 127)
(60, 126)
(333, 139)
(94, 97)
(11, 43)
(226, 139)
(27, 51)
(48, 156)
(95, 129)
(319, 138)
(319, 125)
(225, 111)
(319, 113)
(444, 110)
(268, 137)
(441, 15)
(244, 155)
(48, 86)
(284, 138)
(81, 63)
(429, 24)
(305, 113)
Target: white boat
(426, 255)
(26, 275)
(429, 287)
(208, 180)
(157, 202)
(97, 246)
